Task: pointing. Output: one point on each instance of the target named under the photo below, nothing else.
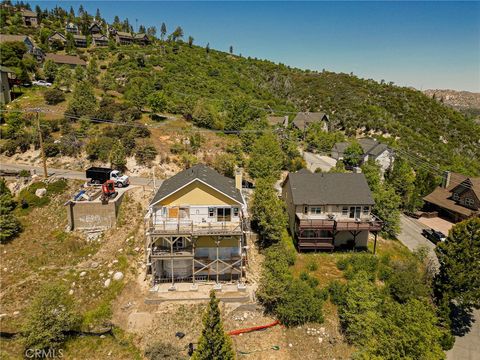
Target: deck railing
(191, 227)
(370, 224)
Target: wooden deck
(190, 228)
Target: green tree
(157, 101)
(9, 224)
(352, 155)
(177, 33)
(163, 31)
(137, 92)
(50, 70)
(458, 279)
(268, 213)
(82, 102)
(190, 41)
(63, 78)
(402, 178)
(79, 73)
(225, 164)
(387, 209)
(50, 316)
(118, 158)
(267, 157)
(213, 344)
(92, 71)
(206, 115)
(321, 141)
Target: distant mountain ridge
(465, 101)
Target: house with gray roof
(329, 210)
(304, 119)
(372, 149)
(195, 228)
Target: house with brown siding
(29, 18)
(69, 60)
(457, 199)
(99, 40)
(328, 210)
(123, 38)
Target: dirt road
(72, 174)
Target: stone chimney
(447, 175)
(238, 178)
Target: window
(345, 211)
(366, 210)
(235, 211)
(456, 196)
(224, 214)
(469, 202)
(211, 212)
(164, 211)
(305, 210)
(316, 210)
(355, 212)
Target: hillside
(218, 90)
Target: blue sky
(420, 44)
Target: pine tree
(231, 49)
(214, 344)
(190, 41)
(163, 31)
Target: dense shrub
(145, 153)
(353, 264)
(53, 96)
(51, 149)
(49, 318)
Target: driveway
(71, 174)
(411, 236)
(467, 347)
(315, 161)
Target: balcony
(189, 227)
(370, 223)
(163, 252)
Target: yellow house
(195, 228)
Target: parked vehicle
(434, 235)
(98, 175)
(41, 83)
(108, 191)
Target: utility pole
(42, 150)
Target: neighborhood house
(372, 149)
(195, 228)
(457, 199)
(69, 60)
(304, 119)
(327, 210)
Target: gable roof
(469, 183)
(141, 36)
(65, 59)
(329, 189)
(58, 36)
(277, 120)
(99, 37)
(369, 146)
(28, 13)
(303, 119)
(124, 34)
(204, 174)
(13, 38)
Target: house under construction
(195, 228)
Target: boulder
(41, 192)
(83, 273)
(118, 276)
(107, 283)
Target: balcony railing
(340, 224)
(194, 228)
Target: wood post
(375, 244)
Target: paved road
(466, 347)
(71, 174)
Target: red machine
(108, 191)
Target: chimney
(446, 179)
(238, 178)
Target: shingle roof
(371, 146)
(201, 172)
(80, 37)
(276, 120)
(442, 197)
(329, 189)
(140, 36)
(28, 13)
(12, 38)
(303, 119)
(65, 59)
(124, 34)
